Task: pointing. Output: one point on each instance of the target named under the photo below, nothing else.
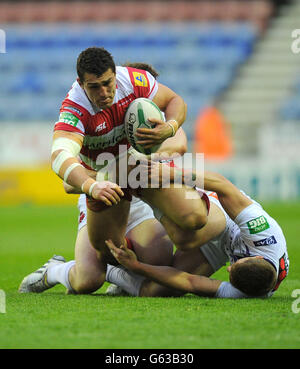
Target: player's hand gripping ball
(137, 115)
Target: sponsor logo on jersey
(68, 118)
(266, 241)
(100, 127)
(110, 138)
(258, 224)
(140, 79)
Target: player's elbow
(68, 189)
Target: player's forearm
(176, 279)
(65, 149)
(73, 190)
(172, 146)
(73, 173)
(176, 110)
(230, 197)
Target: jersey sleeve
(143, 83)
(72, 118)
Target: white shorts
(139, 211)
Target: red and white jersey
(104, 130)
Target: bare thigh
(183, 206)
(107, 224)
(187, 240)
(151, 243)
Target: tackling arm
(172, 146)
(168, 276)
(231, 198)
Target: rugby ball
(136, 116)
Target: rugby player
(249, 238)
(144, 233)
(91, 122)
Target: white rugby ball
(136, 117)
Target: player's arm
(65, 149)
(230, 197)
(73, 190)
(176, 145)
(167, 276)
(174, 108)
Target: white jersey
(253, 233)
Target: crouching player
(248, 237)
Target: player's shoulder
(77, 101)
(135, 78)
(75, 111)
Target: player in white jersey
(91, 122)
(249, 238)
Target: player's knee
(87, 286)
(194, 221)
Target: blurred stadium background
(232, 61)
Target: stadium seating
(197, 48)
(198, 61)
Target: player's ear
(229, 268)
(79, 82)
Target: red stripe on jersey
(71, 107)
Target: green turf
(30, 235)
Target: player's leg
(147, 236)
(193, 262)
(88, 273)
(183, 206)
(187, 240)
(202, 260)
(109, 223)
(151, 243)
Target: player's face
(100, 90)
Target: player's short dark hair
(144, 66)
(255, 277)
(94, 60)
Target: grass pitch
(31, 235)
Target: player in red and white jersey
(103, 129)
(91, 122)
(143, 232)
